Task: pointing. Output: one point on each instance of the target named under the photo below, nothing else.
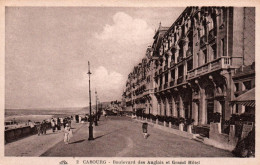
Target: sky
(47, 50)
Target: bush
(181, 120)
(189, 121)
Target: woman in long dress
(67, 134)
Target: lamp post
(99, 107)
(90, 115)
(96, 123)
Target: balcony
(180, 80)
(196, 97)
(160, 71)
(180, 58)
(172, 83)
(160, 88)
(220, 63)
(172, 63)
(212, 34)
(203, 40)
(165, 85)
(155, 74)
(189, 52)
(165, 67)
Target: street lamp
(96, 123)
(99, 109)
(90, 116)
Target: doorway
(210, 110)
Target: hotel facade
(188, 70)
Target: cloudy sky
(48, 49)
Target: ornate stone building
(190, 65)
(140, 85)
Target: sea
(38, 115)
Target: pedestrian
(145, 131)
(64, 122)
(53, 125)
(58, 123)
(44, 127)
(67, 134)
(61, 121)
(69, 122)
(39, 129)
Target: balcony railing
(180, 80)
(165, 85)
(172, 63)
(203, 40)
(220, 63)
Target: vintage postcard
(129, 82)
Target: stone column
(162, 108)
(177, 53)
(195, 112)
(158, 107)
(181, 108)
(185, 70)
(174, 110)
(176, 75)
(167, 106)
(217, 106)
(169, 58)
(163, 76)
(154, 104)
(169, 72)
(185, 47)
(203, 110)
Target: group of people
(56, 124)
(42, 128)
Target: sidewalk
(36, 145)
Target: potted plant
(181, 123)
(189, 123)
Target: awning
(246, 99)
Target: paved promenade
(122, 137)
(114, 137)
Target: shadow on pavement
(79, 141)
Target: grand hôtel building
(187, 72)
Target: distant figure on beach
(67, 134)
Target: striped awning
(246, 99)
(245, 103)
